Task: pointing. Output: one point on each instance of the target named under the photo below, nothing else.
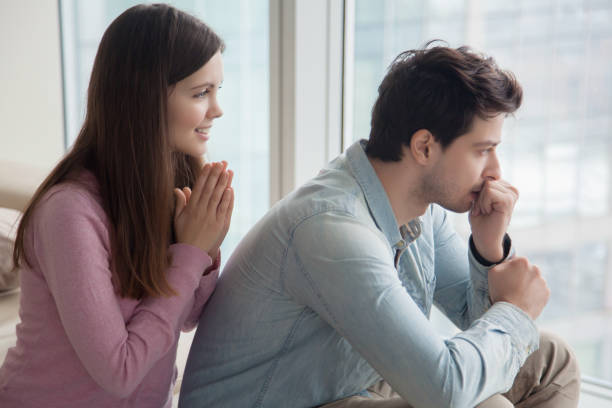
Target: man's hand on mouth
(490, 216)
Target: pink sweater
(78, 343)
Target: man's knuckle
(521, 261)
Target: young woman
(115, 259)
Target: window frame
(306, 85)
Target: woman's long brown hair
(124, 140)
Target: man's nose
(493, 169)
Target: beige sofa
(17, 184)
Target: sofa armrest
(18, 182)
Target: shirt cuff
(516, 323)
(479, 271)
(507, 244)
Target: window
(558, 149)
(241, 136)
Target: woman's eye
(202, 94)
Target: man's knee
(561, 365)
(549, 374)
(558, 352)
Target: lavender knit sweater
(79, 344)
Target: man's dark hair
(440, 89)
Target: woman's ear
(422, 146)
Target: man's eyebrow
(486, 143)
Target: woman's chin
(196, 152)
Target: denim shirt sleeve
(343, 269)
(462, 288)
(462, 285)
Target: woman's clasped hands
(202, 216)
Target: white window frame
(305, 90)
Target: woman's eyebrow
(205, 84)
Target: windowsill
(595, 393)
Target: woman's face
(192, 107)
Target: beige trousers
(550, 378)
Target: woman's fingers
(209, 186)
(181, 201)
(208, 189)
(230, 209)
(187, 192)
(201, 181)
(225, 203)
(203, 214)
(205, 220)
(231, 178)
(217, 194)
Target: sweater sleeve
(71, 248)
(207, 285)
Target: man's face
(457, 176)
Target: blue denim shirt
(326, 295)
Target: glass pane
(241, 135)
(557, 150)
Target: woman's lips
(203, 133)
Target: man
(326, 300)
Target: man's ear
(422, 146)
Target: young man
(326, 300)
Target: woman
(113, 269)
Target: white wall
(31, 115)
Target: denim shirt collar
(374, 192)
